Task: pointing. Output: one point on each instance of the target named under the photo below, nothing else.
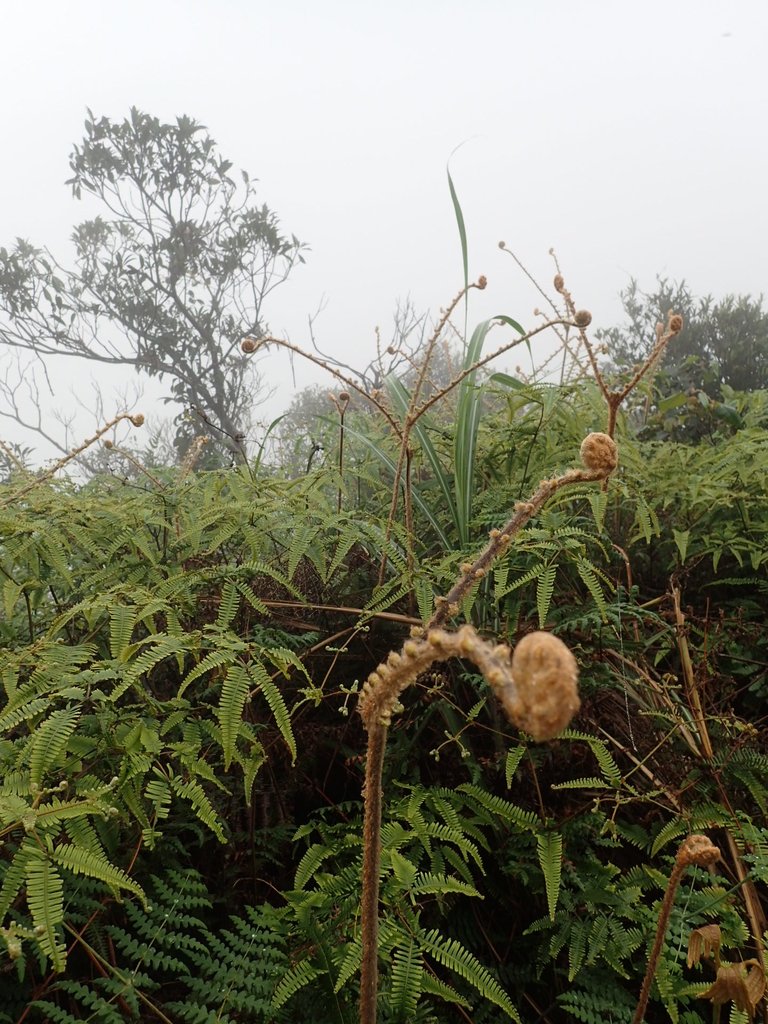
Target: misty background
(630, 139)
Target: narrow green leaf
(462, 229)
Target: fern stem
(98, 958)
(695, 849)
(374, 764)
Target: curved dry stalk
(664, 334)
(250, 345)
(696, 849)
(380, 695)
(134, 462)
(500, 540)
(537, 690)
(480, 284)
(426, 405)
(411, 416)
(10, 454)
(136, 419)
(536, 687)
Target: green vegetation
(182, 762)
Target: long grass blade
(401, 401)
(390, 465)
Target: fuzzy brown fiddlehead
(536, 686)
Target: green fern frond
(589, 577)
(297, 978)
(577, 947)
(502, 808)
(603, 756)
(513, 759)
(276, 703)
(598, 1007)
(258, 568)
(162, 646)
(406, 984)
(310, 862)
(49, 741)
(453, 955)
(426, 882)
(251, 763)
(48, 814)
(425, 595)
(20, 710)
(550, 852)
(158, 792)
(229, 602)
(94, 864)
(588, 782)
(706, 816)
(446, 834)
(520, 581)
(194, 793)
(256, 603)
(598, 501)
(284, 660)
(234, 694)
(122, 619)
(15, 875)
(405, 871)
(45, 899)
(545, 588)
(213, 659)
(433, 986)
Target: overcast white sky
(632, 137)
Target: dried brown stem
(425, 406)
(10, 454)
(536, 688)
(696, 849)
(542, 708)
(253, 345)
(500, 539)
(136, 419)
(135, 463)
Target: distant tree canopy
(167, 280)
(724, 341)
(723, 348)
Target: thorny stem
(429, 402)
(664, 335)
(447, 313)
(342, 410)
